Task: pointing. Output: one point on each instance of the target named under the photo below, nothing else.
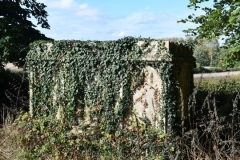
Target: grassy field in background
(217, 79)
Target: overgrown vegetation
(213, 134)
(89, 98)
(50, 139)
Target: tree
(220, 20)
(213, 48)
(209, 49)
(202, 57)
(17, 31)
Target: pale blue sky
(109, 20)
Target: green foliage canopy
(221, 19)
(17, 31)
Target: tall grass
(215, 131)
(14, 95)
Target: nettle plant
(91, 84)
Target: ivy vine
(89, 75)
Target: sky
(114, 19)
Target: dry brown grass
(212, 136)
(8, 143)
